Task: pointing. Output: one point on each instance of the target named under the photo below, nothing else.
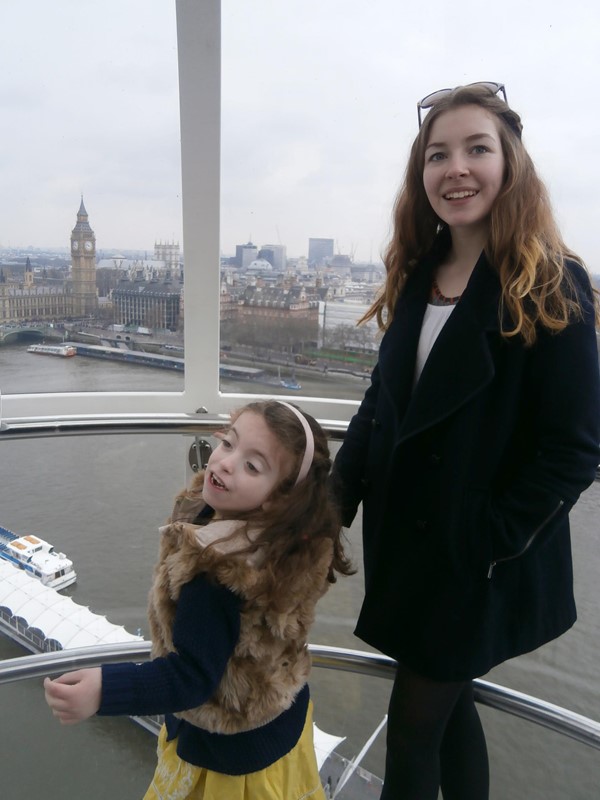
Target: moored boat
(63, 350)
(38, 558)
(290, 384)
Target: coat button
(375, 424)
(422, 524)
(366, 483)
(435, 459)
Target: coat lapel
(399, 346)
(460, 364)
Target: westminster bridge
(12, 333)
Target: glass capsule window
(211, 185)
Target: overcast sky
(319, 110)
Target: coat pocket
(529, 542)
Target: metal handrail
(560, 720)
(555, 718)
(112, 424)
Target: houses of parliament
(76, 297)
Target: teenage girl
(476, 437)
(247, 553)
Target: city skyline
(318, 113)
(103, 251)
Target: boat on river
(258, 376)
(62, 350)
(290, 383)
(38, 558)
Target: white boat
(38, 558)
(63, 350)
(288, 383)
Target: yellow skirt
(293, 777)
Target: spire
(82, 226)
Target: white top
(434, 320)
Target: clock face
(88, 245)
(75, 245)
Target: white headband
(309, 451)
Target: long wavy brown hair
(297, 517)
(524, 244)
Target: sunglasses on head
(431, 99)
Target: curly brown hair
(524, 244)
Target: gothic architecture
(23, 299)
(83, 266)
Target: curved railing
(109, 424)
(558, 719)
(532, 709)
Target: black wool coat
(467, 480)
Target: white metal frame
(199, 58)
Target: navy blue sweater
(205, 633)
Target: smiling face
(246, 467)
(464, 166)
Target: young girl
(247, 553)
(478, 433)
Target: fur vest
(271, 662)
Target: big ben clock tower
(83, 266)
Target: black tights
(434, 739)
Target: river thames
(102, 499)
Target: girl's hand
(74, 696)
